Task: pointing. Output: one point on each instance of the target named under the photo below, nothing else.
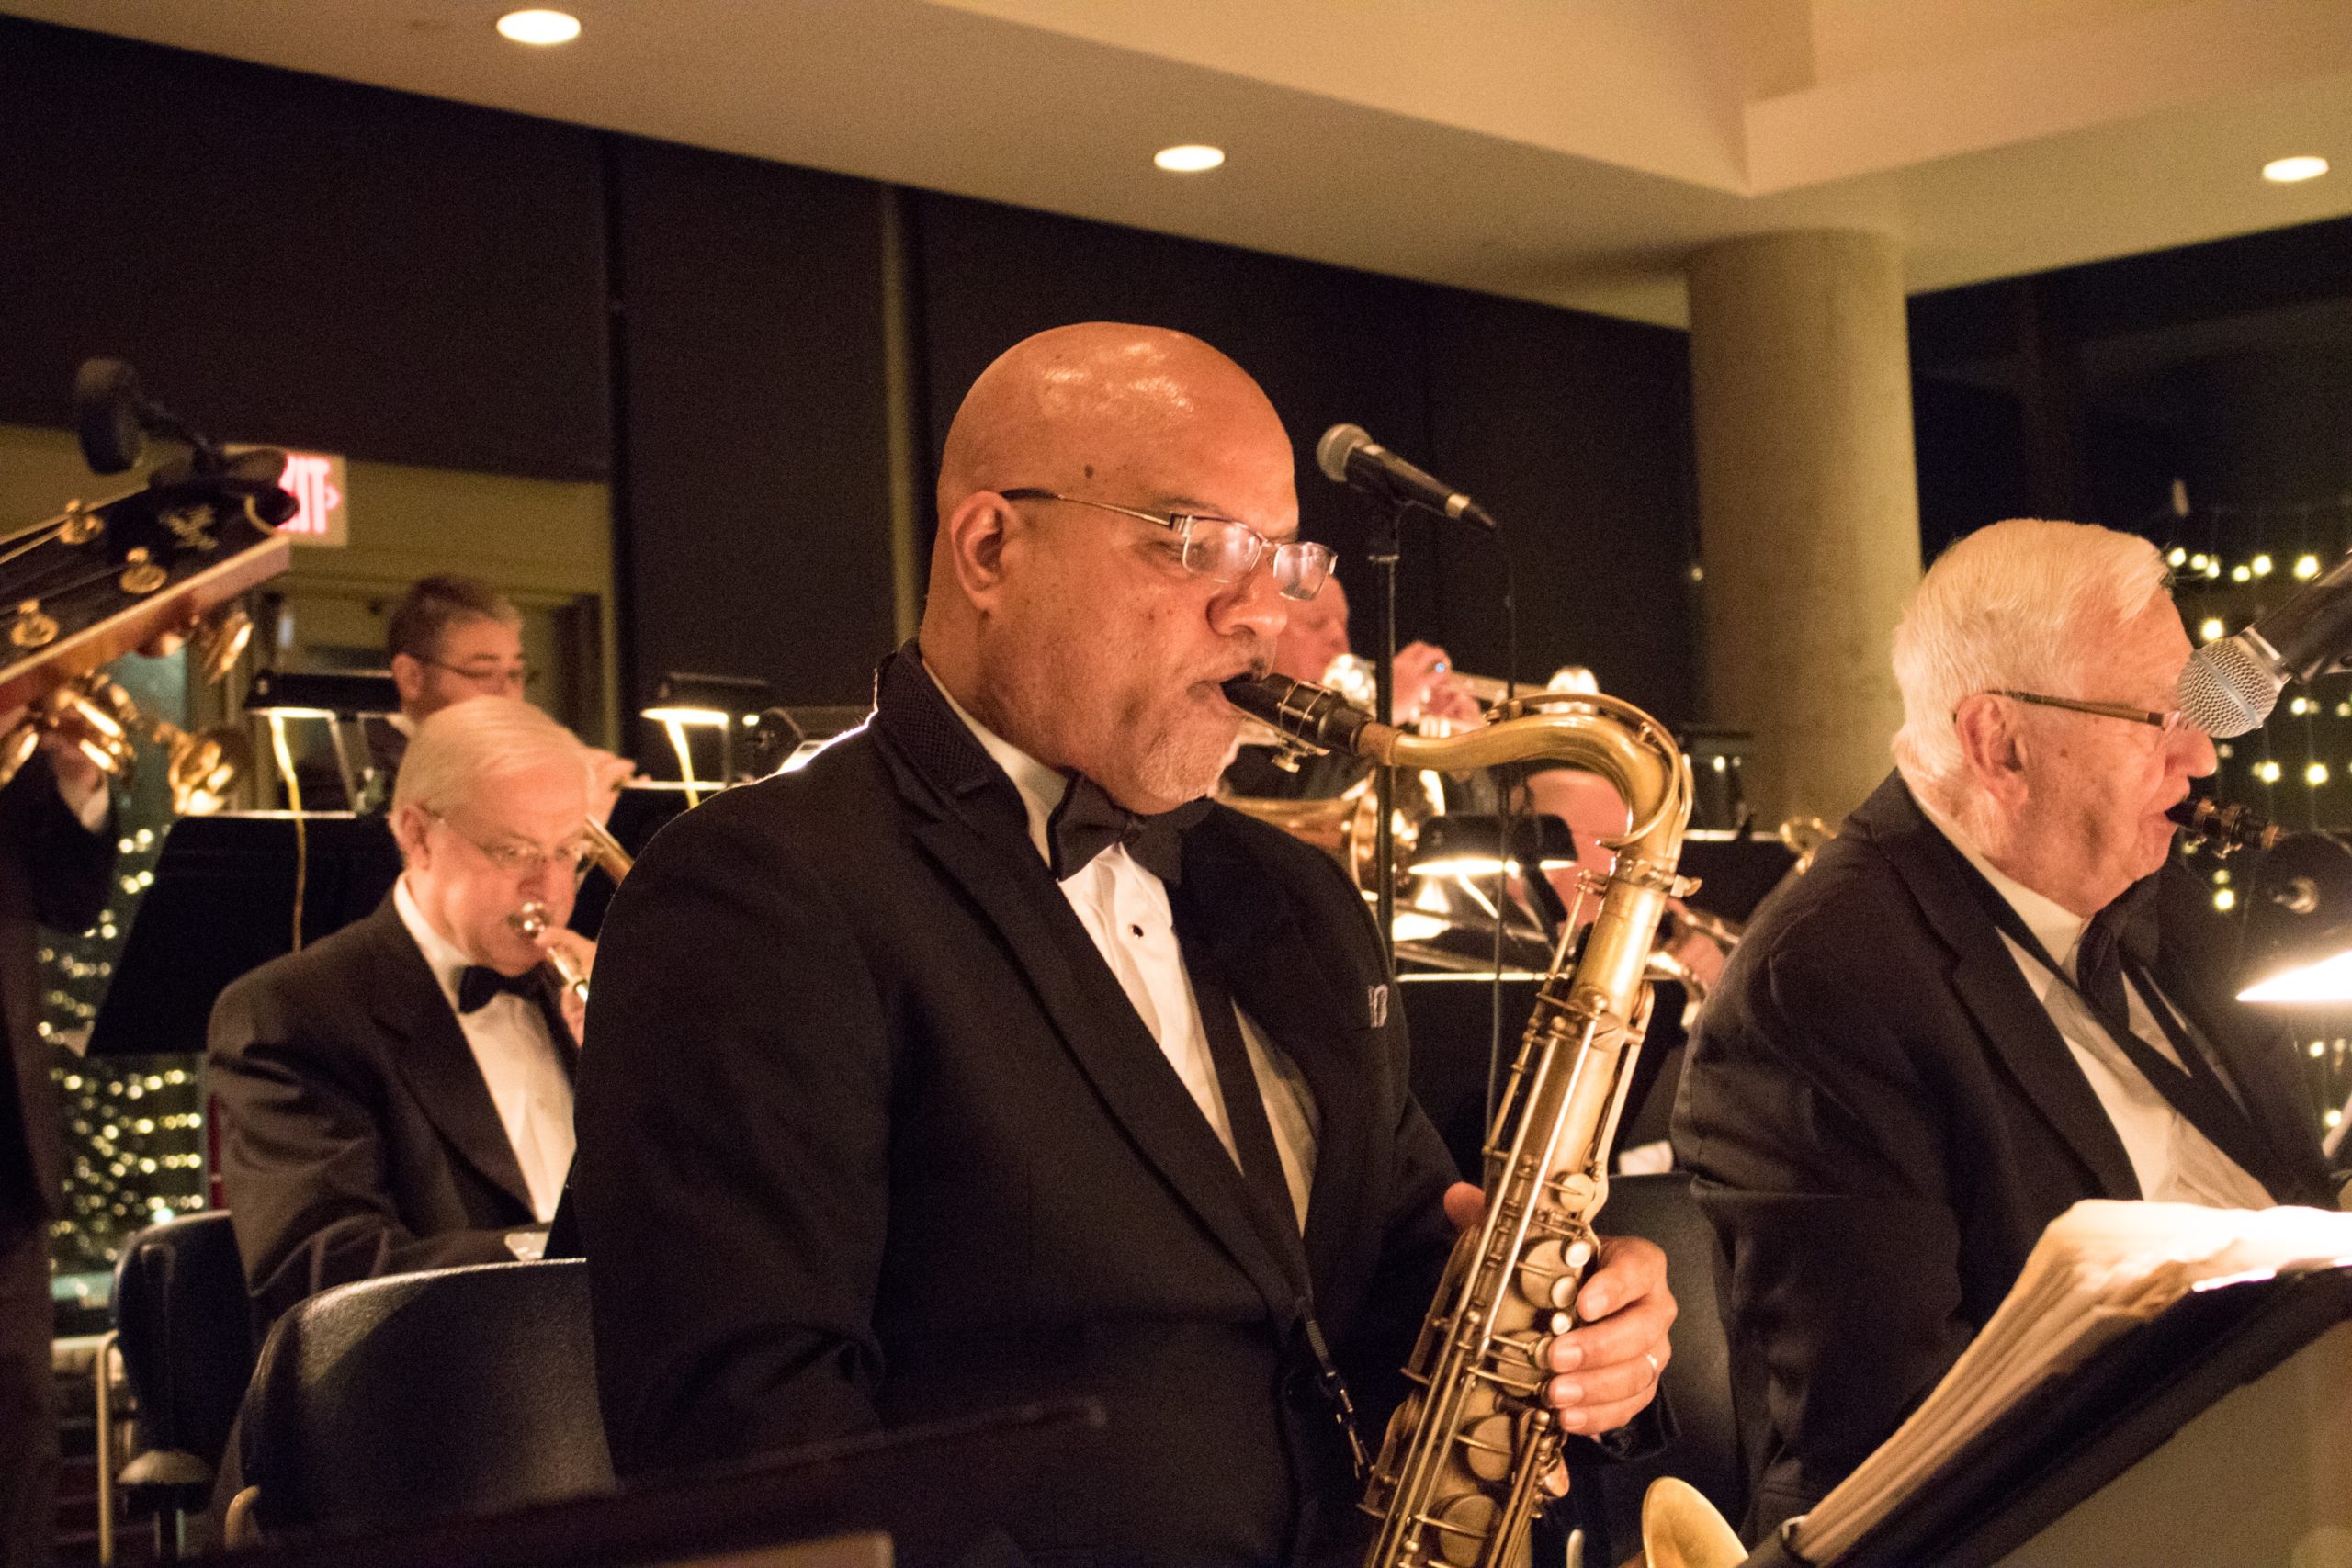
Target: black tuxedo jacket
(53, 872)
(1883, 1119)
(870, 1136)
(358, 1137)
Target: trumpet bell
(1682, 1529)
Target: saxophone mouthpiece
(2222, 828)
(1315, 715)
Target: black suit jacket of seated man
(870, 1136)
(359, 1138)
(1882, 1120)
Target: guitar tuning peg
(140, 574)
(32, 627)
(81, 525)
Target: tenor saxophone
(1461, 1471)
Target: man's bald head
(1073, 632)
(1063, 409)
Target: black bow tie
(480, 983)
(1087, 821)
(2099, 962)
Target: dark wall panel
(756, 528)
(1326, 343)
(1575, 432)
(293, 259)
(1574, 429)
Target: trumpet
(1351, 675)
(605, 854)
(532, 920)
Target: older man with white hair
(399, 1096)
(1967, 1016)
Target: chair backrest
(1704, 1447)
(427, 1395)
(184, 1325)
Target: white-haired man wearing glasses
(399, 1096)
(1969, 1015)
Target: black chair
(185, 1328)
(421, 1396)
(1703, 1449)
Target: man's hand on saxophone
(1606, 1371)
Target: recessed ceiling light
(1190, 159)
(2286, 171)
(539, 27)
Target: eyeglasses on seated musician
(1990, 997)
(982, 1061)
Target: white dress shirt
(2174, 1161)
(1124, 908)
(517, 1058)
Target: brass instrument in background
(605, 854)
(1353, 677)
(1344, 826)
(1461, 1471)
(146, 569)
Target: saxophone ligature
(1461, 1471)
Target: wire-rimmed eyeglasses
(1222, 550)
(488, 677)
(2171, 721)
(523, 862)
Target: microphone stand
(1382, 554)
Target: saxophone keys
(1550, 1272)
(1488, 1447)
(1463, 1526)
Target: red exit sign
(315, 479)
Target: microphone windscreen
(2225, 689)
(1331, 453)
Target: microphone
(1348, 457)
(2229, 686)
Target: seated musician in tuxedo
(981, 1061)
(398, 1094)
(1969, 1013)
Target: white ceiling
(1568, 150)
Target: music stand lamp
(730, 703)
(2299, 923)
(338, 698)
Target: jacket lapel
(2178, 940)
(1285, 983)
(430, 1053)
(2014, 1023)
(975, 831)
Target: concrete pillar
(1809, 506)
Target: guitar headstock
(94, 582)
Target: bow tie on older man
(1088, 821)
(480, 984)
